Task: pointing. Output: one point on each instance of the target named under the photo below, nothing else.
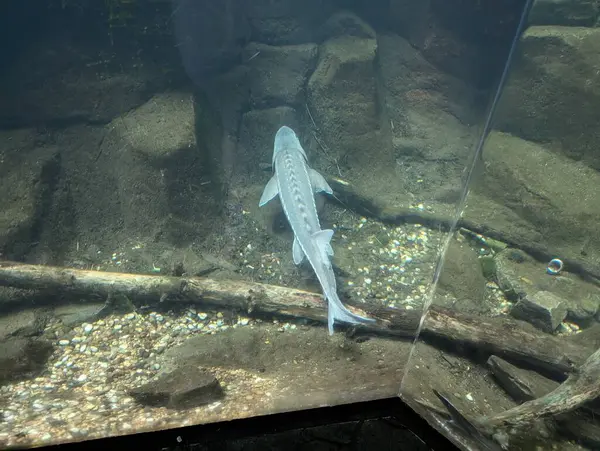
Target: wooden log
(523, 385)
(580, 387)
(582, 425)
(565, 405)
(506, 337)
(466, 427)
(250, 297)
(509, 338)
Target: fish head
(286, 139)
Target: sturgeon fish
(296, 183)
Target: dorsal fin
(318, 182)
(323, 239)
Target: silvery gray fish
(296, 184)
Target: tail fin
(337, 312)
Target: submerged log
(505, 337)
(523, 385)
(580, 387)
(566, 405)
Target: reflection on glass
(142, 287)
(511, 330)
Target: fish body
(296, 183)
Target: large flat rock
(553, 93)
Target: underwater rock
(488, 266)
(218, 110)
(508, 272)
(15, 323)
(583, 310)
(466, 41)
(526, 281)
(426, 114)
(140, 182)
(543, 309)
(286, 22)
(342, 97)
(538, 198)
(464, 305)
(158, 171)
(278, 74)
(462, 276)
(589, 337)
(346, 23)
(24, 323)
(58, 81)
(72, 315)
(210, 38)
(185, 387)
(159, 128)
(227, 97)
(135, 177)
(410, 19)
(28, 175)
(551, 97)
(289, 353)
(416, 91)
(257, 133)
(583, 13)
(22, 358)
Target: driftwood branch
(501, 336)
(580, 387)
(523, 385)
(508, 338)
(567, 405)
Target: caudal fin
(337, 312)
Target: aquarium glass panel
(507, 355)
(215, 210)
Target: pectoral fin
(270, 191)
(297, 252)
(323, 239)
(318, 182)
